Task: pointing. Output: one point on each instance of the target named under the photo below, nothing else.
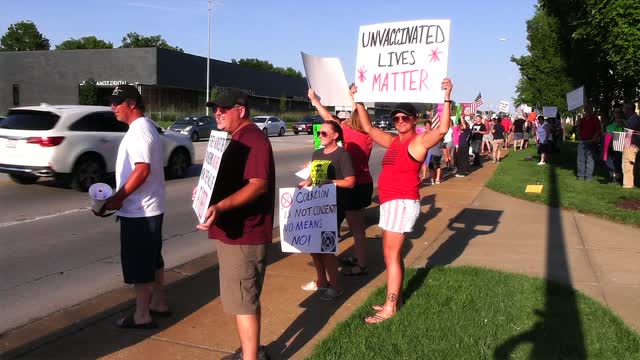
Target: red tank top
(359, 146)
(399, 176)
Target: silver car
(195, 127)
(270, 125)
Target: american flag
(476, 103)
(435, 120)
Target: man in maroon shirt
(240, 218)
(589, 130)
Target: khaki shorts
(242, 269)
(497, 143)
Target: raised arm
(380, 137)
(425, 141)
(324, 113)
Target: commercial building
(169, 81)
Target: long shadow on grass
(558, 332)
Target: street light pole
(208, 52)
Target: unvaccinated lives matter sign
(402, 61)
(308, 220)
(218, 142)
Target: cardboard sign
(504, 106)
(218, 142)
(309, 220)
(549, 111)
(575, 98)
(402, 61)
(326, 77)
(536, 189)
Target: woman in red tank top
(398, 187)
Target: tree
(283, 104)
(265, 65)
(135, 40)
(88, 93)
(544, 79)
(87, 42)
(23, 36)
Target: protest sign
(309, 220)
(504, 106)
(549, 111)
(316, 137)
(218, 142)
(326, 77)
(402, 61)
(575, 98)
(466, 109)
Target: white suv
(75, 143)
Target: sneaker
(437, 182)
(312, 286)
(541, 163)
(262, 354)
(460, 175)
(331, 294)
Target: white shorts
(399, 215)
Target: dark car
(306, 124)
(195, 127)
(383, 122)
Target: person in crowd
(359, 145)
(487, 139)
(424, 169)
(240, 218)
(435, 158)
(140, 204)
(506, 124)
(330, 164)
(529, 131)
(498, 140)
(478, 130)
(517, 130)
(543, 136)
(463, 167)
(447, 147)
(630, 154)
(398, 187)
(614, 158)
(589, 130)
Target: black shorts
(543, 148)
(434, 162)
(359, 197)
(141, 248)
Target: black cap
(125, 92)
(405, 108)
(229, 99)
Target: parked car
(195, 127)
(270, 125)
(383, 122)
(75, 143)
(306, 124)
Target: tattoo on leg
(392, 297)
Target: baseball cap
(229, 99)
(405, 108)
(125, 92)
(344, 115)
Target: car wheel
(195, 137)
(310, 132)
(296, 132)
(266, 132)
(178, 164)
(281, 133)
(87, 171)
(24, 179)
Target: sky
(484, 34)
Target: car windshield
(29, 120)
(259, 120)
(187, 120)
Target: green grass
(595, 197)
(473, 313)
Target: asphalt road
(54, 253)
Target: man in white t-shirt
(140, 201)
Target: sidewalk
(462, 224)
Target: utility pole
(208, 51)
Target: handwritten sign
(326, 77)
(309, 220)
(504, 106)
(402, 61)
(575, 98)
(218, 142)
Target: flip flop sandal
(355, 270)
(166, 313)
(129, 322)
(312, 286)
(376, 319)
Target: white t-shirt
(142, 143)
(448, 137)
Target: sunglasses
(404, 118)
(224, 110)
(324, 134)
